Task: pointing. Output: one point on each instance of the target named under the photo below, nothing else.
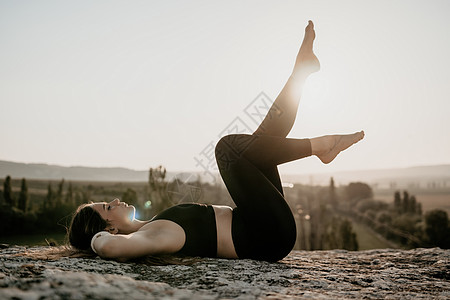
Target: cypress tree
(333, 197)
(69, 195)
(412, 205)
(23, 197)
(405, 203)
(398, 202)
(59, 193)
(7, 192)
(48, 203)
(349, 240)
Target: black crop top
(199, 224)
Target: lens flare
(148, 204)
(133, 213)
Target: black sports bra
(199, 224)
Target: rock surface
(373, 274)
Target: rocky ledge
(373, 274)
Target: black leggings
(263, 226)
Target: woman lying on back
(261, 226)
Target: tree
(48, 203)
(349, 241)
(357, 191)
(412, 205)
(7, 192)
(59, 193)
(332, 191)
(339, 235)
(405, 202)
(437, 228)
(331, 236)
(398, 202)
(23, 196)
(158, 196)
(69, 195)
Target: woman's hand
(99, 240)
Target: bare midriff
(225, 246)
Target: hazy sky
(140, 83)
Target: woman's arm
(137, 244)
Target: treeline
(402, 221)
(325, 216)
(34, 212)
(319, 225)
(49, 207)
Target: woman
(261, 226)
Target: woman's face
(118, 214)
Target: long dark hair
(86, 222)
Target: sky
(138, 84)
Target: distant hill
(418, 176)
(54, 172)
(79, 173)
(421, 176)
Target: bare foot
(307, 62)
(326, 148)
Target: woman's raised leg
(263, 226)
(282, 114)
(281, 117)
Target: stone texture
(373, 274)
